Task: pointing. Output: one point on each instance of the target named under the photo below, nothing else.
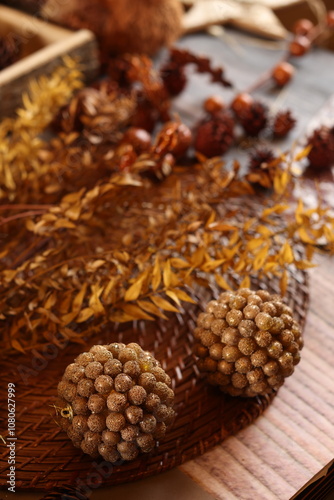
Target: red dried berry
(302, 27)
(138, 138)
(183, 140)
(282, 73)
(241, 103)
(214, 104)
(299, 46)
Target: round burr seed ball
(116, 402)
(247, 342)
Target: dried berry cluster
(116, 402)
(264, 164)
(219, 130)
(82, 246)
(305, 35)
(248, 342)
(113, 122)
(179, 59)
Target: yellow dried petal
(284, 282)
(246, 282)
(163, 304)
(149, 307)
(222, 282)
(171, 294)
(135, 312)
(184, 296)
(133, 292)
(85, 314)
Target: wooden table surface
(275, 456)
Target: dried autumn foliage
(103, 245)
(20, 142)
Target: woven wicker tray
(45, 458)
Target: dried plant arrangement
(20, 136)
(120, 225)
(104, 253)
(87, 248)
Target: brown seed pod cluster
(321, 141)
(283, 122)
(117, 402)
(263, 167)
(247, 342)
(219, 130)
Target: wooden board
(294, 438)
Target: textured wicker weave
(45, 458)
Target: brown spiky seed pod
(321, 155)
(283, 123)
(254, 118)
(262, 167)
(247, 342)
(116, 401)
(260, 158)
(215, 135)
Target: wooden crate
(42, 46)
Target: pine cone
(8, 53)
(254, 118)
(283, 123)
(248, 342)
(103, 113)
(116, 402)
(261, 167)
(215, 135)
(321, 155)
